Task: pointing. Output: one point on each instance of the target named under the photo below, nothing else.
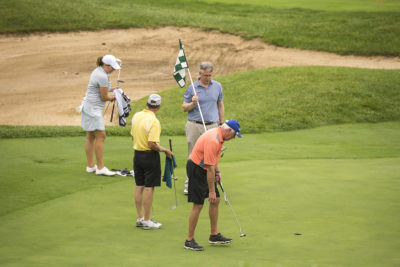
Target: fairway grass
(335, 186)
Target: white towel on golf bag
(123, 105)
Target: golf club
(223, 151)
(173, 177)
(118, 81)
(119, 72)
(233, 212)
(104, 113)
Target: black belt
(206, 123)
(145, 151)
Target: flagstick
(198, 104)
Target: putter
(223, 151)
(152, 212)
(233, 212)
(174, 178)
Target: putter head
(173, 207)
(222, 151)
(120, 81)
(242, 235)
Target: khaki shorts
(193, 132)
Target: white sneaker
(88, 169)
(105, 172)
(149, 225)
(139, 222)
(185, 191)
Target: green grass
(274, 99)
(326, 5)
(14, 131)
(364, 28)
(336, 185)
(282, 99)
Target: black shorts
(198, 186)
(147, 167)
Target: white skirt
(92, 119)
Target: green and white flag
(180, 66)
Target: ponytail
(99, 61)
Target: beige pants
(193, 132)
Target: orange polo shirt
(207, 149)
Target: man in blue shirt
(209, 96)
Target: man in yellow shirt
(146, 130)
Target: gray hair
(226, 126)
(206, 66)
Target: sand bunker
(44, 76)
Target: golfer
(92, 119)
(202, 169)
(146, 130)
(209, 96)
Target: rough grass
(331, 5)
(274, 99)
(282, 99)
(362, 31)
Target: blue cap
(234, 125)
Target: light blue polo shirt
(98, 78)
(208, 100)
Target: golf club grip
(170, 144)
(112, 112)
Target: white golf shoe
(93, 169)
(104, 172)
(139, 222)
(150, 225)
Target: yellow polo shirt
(145, 127)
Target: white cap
(112, 61)
(154, 100)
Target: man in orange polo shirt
(203, 172)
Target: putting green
(319, 197)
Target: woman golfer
(92, 107)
